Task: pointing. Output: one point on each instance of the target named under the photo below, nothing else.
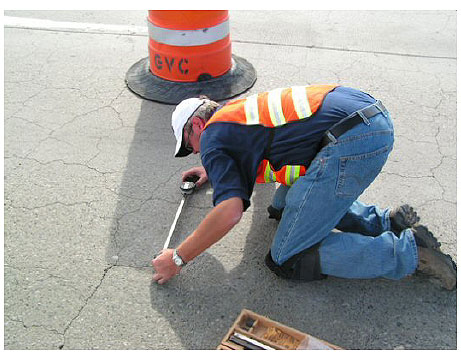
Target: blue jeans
(326, 198)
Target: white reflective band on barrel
(251, 110)
(300, 102)
(198, 37)
(274, 101)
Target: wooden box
(252, 331)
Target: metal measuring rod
(187, 188)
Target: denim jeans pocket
(357, 172)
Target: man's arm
(216, 225)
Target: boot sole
(449, 283)
(404, 218)
(424, 237)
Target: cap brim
(183, 151)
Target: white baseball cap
(181, 114)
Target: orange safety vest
(272, 109)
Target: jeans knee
(304, 266)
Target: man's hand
(164, 266)
(196, 171)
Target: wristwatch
(178, 261)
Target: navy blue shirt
(231, 152)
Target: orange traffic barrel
(186, 46)
(189, 54)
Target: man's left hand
(164, 267)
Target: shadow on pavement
(202, 303)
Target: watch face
(177, 260)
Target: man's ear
(198, 122)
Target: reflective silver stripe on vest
(269, 175)
(199, 37)
(274, 101)
(251, 110)
(300, 102)
(292, 174)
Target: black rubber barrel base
(142, 82)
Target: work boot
(424, 238)
(402, 218)
(275, 213)
(405, 217)
(439, 267)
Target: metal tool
(244, 343)
(187, 188)
(256, 345)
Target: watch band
(176, 257)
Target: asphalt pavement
(91, 186)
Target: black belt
(356, 118)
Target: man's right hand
(196, 171)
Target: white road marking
(29, 23)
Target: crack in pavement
(87, 203)
(64, 163)
(143, 202)
(85, 303)
(33, 325)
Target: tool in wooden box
(187, 188)
(255, 332)
(247, 342)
